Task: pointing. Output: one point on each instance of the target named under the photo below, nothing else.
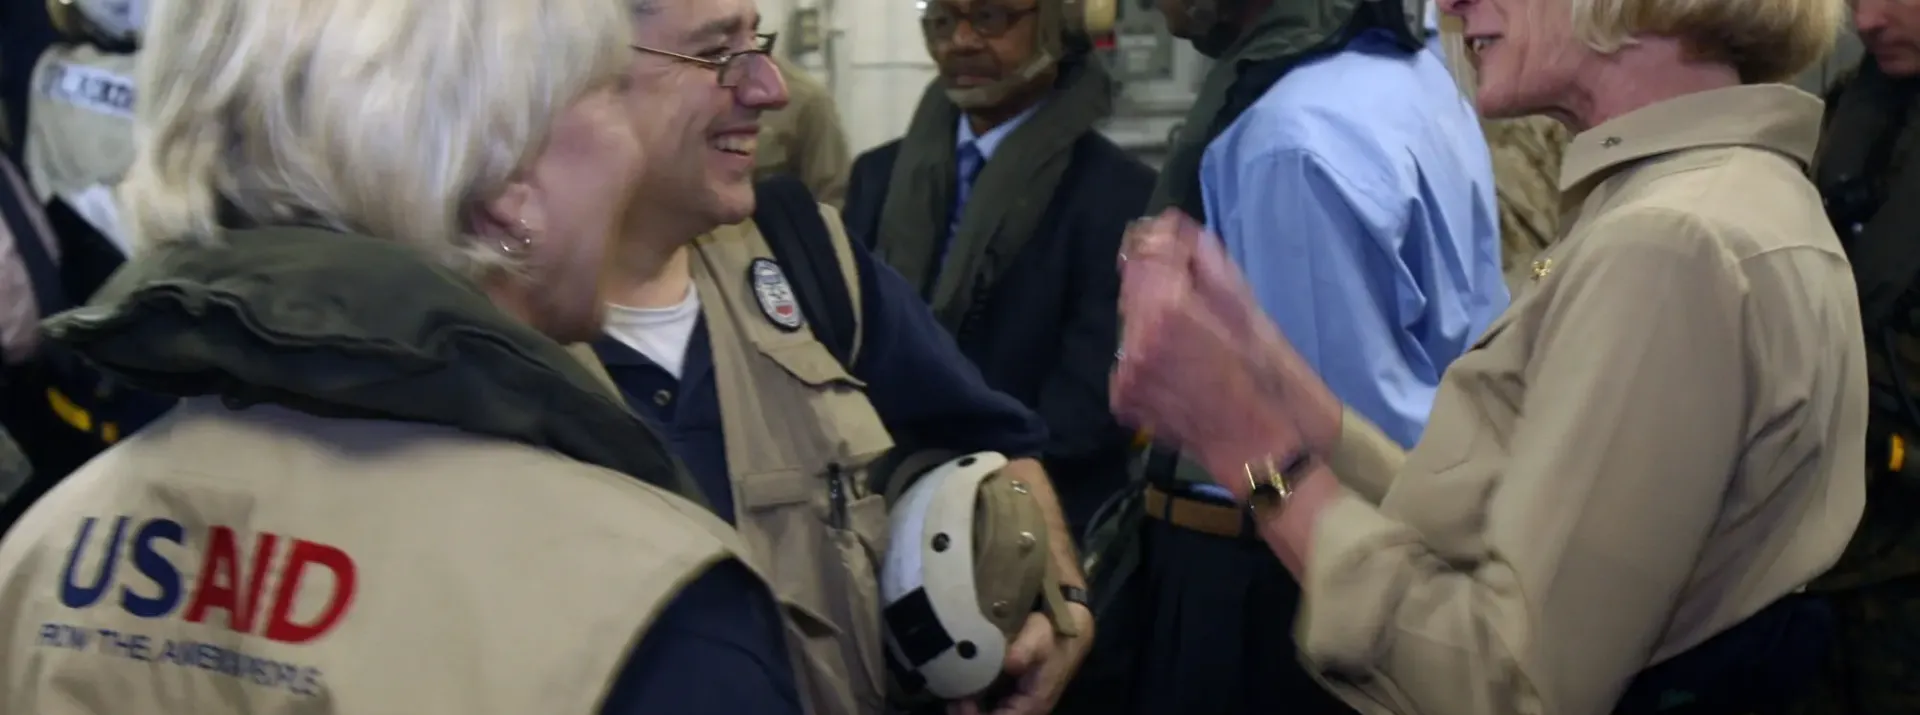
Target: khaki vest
(798, 428)
(80, 130)
(79, 136)
(267, 561)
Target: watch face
(1267, 490)
(1265, 496)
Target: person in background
(1626, 484)
(804, 139)
(388, 488)
(790, 440)
(1868, 172)
(1369, 225)
(28, 260)
(1026, 286)
(77, 144)
(26, 31)
(1526, 163)
(1526, 171)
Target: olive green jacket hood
(348, 326)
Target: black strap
(789, 219)
(44, 275)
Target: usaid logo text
(93, 88)
(246, 591)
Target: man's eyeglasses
(988, 21)
(728, 67)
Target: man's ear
(516, 211)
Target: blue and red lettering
(223, 584)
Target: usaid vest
(800, 436)
(267, 561)
(79, 137)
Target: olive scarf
(1009, 198)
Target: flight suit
(1526, 176)
(805, 138)
(1869, 173)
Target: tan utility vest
(267, 561)
(80, 131)
(79, 134)
(798, 427)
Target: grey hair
(391, 118)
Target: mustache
(976, 66)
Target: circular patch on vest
(775, 294)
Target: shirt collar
(986, 143)
(1775, 117)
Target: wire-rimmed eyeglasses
(728, 67)
(940, 21)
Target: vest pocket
(825, 560)
(810, 363)
(861, 546)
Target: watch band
(1075, 594)
(1070, 594)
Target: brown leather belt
(1194, 514)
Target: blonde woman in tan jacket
(1627, 480)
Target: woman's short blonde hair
(1765, 40)
(385, 117)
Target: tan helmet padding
(1012, 560)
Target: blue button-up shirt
(1358, 196)
(989, 142)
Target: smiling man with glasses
(793, 435)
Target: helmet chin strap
(970, 98)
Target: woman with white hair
(1627, 480)
(364, 229)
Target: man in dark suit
(1005, 207)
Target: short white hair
(1764, 40)
(390, 118)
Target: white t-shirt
(661, 334)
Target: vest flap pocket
(809, 362)
(772, 489)
(808, 621)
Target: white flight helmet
(969, 562)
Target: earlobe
(517, 212)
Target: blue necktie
(970, 162)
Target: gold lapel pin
(1541, 268)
